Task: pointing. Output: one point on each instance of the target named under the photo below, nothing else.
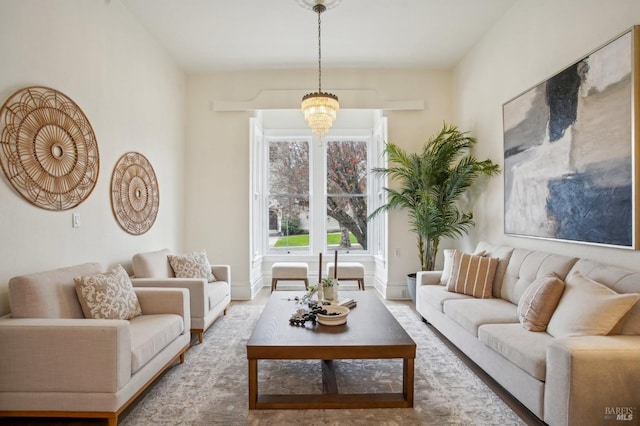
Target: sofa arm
(196, 287)
(428, 277)
(591, 378)
(156, 300)
(64, 355)
(222, 272)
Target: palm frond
(430, 183)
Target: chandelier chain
(320, 108)
(320, 10)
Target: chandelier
(320, 108)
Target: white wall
(134, 97)
(217, 154)
(533, 41)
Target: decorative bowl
(338, 315)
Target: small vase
(331, 293)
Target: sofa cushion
(150, 334)
(192, 265)
(503, 254)
(49, 294)
(472, 313)
(539, 301)
(472, 275)
(436, 295)
(525, 266)
(108, 296)
(152, 264)
(588, 308)
(621, 281)
(523, 348)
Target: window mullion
(318, 228)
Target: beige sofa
(208, 300)
(56, 363)
(579, 380)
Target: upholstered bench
(348, 271)
(289, 271)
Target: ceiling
(214, 35)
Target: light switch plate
(75, 220)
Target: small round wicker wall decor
(135, 196)
(48, 150)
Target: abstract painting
(569, 149)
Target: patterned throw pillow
(108, 296)
(539, 301)
(192, 265)
(472, 275)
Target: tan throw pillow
(539, 301)
(588, 308)
(108, 296)
(472, 275)
(192, 265)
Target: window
(311, 196)
(338, 220)
(346, 179)
(288, 195)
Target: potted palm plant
(429, 185)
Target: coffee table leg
(407, 380)
(329, 382)
(253, 383)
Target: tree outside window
(347, 194)
(288, 205)
(289, 183)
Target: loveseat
(209, 298)
(57, 363)
(564, 375)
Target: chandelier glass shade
(319, 111)
(320, 108)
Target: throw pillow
(588, 308)
(447, 267)
(192, 265)
(472, 275)
(108, 296)
(539, 301)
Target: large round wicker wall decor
(48, 150)
(135, 197)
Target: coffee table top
(371, 331)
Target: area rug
(210, 388)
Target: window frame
(318, 185)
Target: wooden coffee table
(371, 332)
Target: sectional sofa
(583, 369)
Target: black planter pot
(411, 285)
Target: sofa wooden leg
(274, 283)
(200, 336)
